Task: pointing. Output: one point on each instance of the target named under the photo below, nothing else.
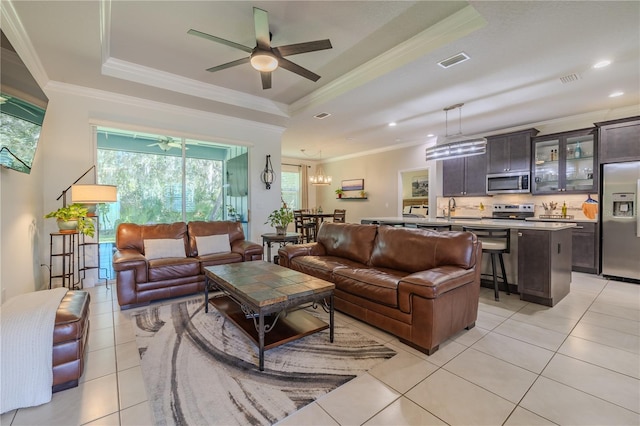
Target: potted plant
(339, 192)
(72, 218)
(280, 219)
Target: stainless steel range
(513, 211)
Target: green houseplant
(73, 217)
(339, 192)
(280, 219)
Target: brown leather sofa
(140, 280)
(70, 334)
(419, 285)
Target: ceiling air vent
(569, 78)
(454, 60)
(322, 115)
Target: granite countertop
(489, 223)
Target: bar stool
(435, 226)
(495, 241)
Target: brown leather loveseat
(419, 285)
(167, 260)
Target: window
(166, 179)
(291, 180)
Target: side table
(67, 258)
(281, 239)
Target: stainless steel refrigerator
(620, 220)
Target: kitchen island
(539, 262)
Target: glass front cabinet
(565, 162)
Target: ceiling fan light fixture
(264, 61)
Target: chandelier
(320, 178)
(456, 145)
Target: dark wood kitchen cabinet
(510, 152)
(566, 162)
(586, 248)
(465, 176)
(544, 265)
(619, 140)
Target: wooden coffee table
(258, 292)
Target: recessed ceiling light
(616, 94)
(392, 124)
(602, 64)
(430, 135)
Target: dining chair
(339, 215)
(305, 227)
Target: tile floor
(577, 363)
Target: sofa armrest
(248, 249)
(288, 252)
(131, 260)
(432, 283)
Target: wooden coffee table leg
(261, 341)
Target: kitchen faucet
(451, 207)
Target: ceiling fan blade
(295, 68)
(311, 46)
(261, 20)
(229, 64)
(220, 40)
(266, 80)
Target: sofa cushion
(161, 248)
(322, 267)
(166, 269)
(413, 250)
(213, 244)
(218, 259)
(202, 229)
(378, 285)
(348, 240)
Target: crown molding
(17, 35)
(106, 96)
(164, 80)
(105, 30)
(457, 25)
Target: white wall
(66, 150)
(382, 182)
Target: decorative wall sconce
(268, 176)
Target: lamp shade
(93, 194)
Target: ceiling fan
(264, 57)
(166, 144)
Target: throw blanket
(26, 348)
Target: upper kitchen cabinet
(510, 152)
(565, 162)
(465, 176)
(619, 140)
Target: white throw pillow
(213, 244)
(164, 247)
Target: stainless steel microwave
(508, 183)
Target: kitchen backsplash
(482, 206)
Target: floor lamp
(91, 196)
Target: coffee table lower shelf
(293, 326)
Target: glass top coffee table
(265, 301)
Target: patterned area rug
(199, 368)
